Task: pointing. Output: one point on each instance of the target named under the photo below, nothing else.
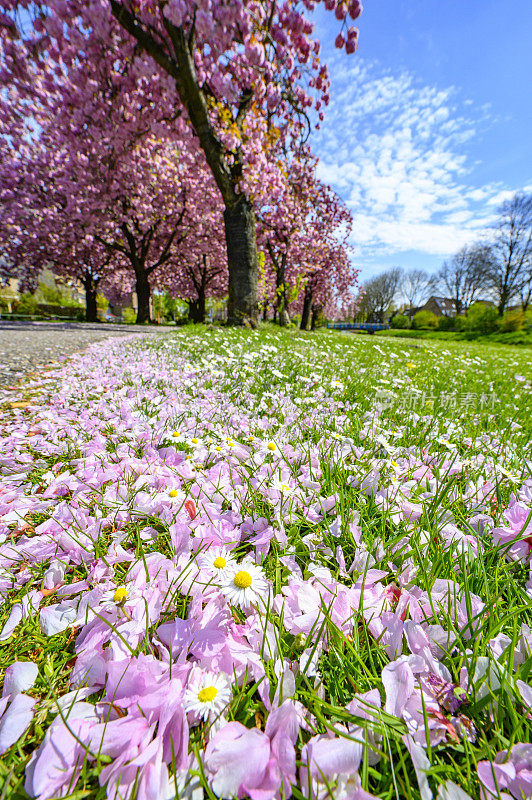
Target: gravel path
(26, 345)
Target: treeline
(169, 150)
(497, 269)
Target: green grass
(523, 338)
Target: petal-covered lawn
(268, 564)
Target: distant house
(440, 306)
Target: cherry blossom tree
(281, 231)
(145, 219)
(302, 234)
(331, 286)
(200, 270)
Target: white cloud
(397, 152)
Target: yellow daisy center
(176, 434)
(207, 694)
(219, 562)
(120, 594)
(285, 488)
(194, 441)
(218, 448)
(270, 446)
(243, 579)
(173, 493)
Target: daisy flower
(123, 598)
(217, 561)
(170, 494)
(245, 584)
(281, 486)
(207, 694)
(115, 596)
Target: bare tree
(417, 286)
(526, 287)
(465, 275)
(509, 271)
(379, 293)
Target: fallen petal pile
(268, 564)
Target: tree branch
(182, 69)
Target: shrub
(54, 310)
(400, 321)
(482, 319)
(129, 315)
(425, 321)
(447, 323)
(513, 321)
(26, 304)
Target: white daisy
(281, 486)
(245, 584)
(217, 562)
(123, 598)
(115, 596)
(207, 694)
(171, 494)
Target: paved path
(26, 345)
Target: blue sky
(429, 126)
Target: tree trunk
(143, 290)
(315, 314)
(281, 314)
(91, 309)
(501, 307)
(193, 310)
(196, 308)
(201, 306)
(243, 305)
(307, 308)
(284, 317)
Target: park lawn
(522, 338)
(377, 494)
